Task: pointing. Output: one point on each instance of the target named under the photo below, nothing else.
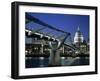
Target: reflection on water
(32, 62)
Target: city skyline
(66, 22)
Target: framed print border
(15, 70)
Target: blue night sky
(66, 22)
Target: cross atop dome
(78, 28)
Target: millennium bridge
(55, 38)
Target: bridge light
(53, 39)
(41, 36)
(48, 37)
(29, 32)
(37, 33)
(26, 52)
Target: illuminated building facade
(81, 43)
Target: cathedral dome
(78, 38)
